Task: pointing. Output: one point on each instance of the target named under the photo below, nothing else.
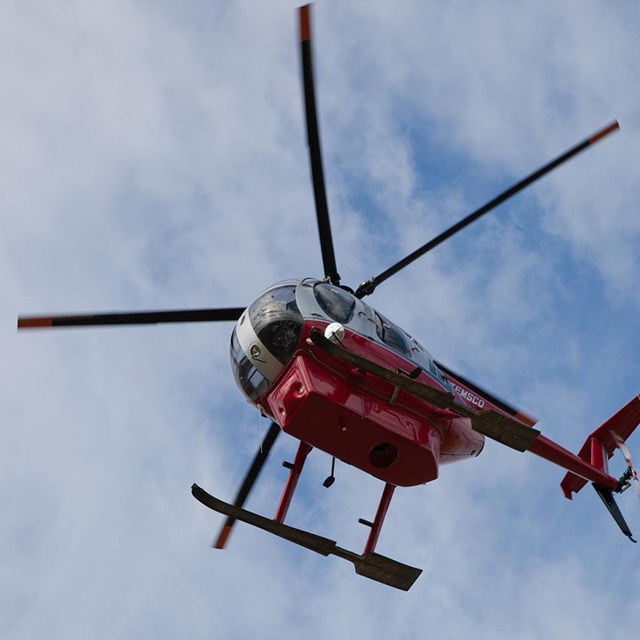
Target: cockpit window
(277, 321)
(422, 358)
(392, 336)
(335, 302)
(249, 379)
(402, 343)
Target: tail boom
(579, 468)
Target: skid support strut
(376, 526)
(292, 481)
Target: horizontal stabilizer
(622, 424)
(370, 565)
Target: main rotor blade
(248, 482)
(368, 287)
(313, 138)
(136, 317)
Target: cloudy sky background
(153, 156)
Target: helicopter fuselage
(357, 418)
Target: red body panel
(319, 408)
(365, 421)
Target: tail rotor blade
(315, 155)
(130, 318)
(368, 287)
(626, 454)
(248, 482)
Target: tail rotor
(630, 473)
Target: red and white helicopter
(329, 370)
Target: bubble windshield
(277, 321)
(250, 381)
(265, 339)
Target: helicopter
(329, 370)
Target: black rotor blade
(135, 317)
(313, 138)
(368, 287)
(248, 482)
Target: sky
(154, 157)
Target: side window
(335, 302)
(248, 378)
(392, 336)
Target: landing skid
(370, 565)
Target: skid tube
(370, 565)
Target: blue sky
(154, 156)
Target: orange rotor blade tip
(305, 26)
(34, 323)
(222, 538)
(614, 126)
(528, 420)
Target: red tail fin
(601, 444)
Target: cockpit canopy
(338, 305)
(268, 332)
(265, 338)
